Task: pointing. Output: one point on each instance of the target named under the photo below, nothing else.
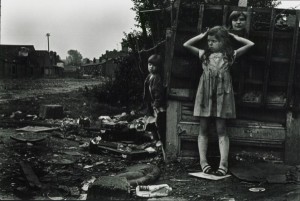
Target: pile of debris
(129, 137)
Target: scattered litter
(84, 122)
(62, 161)
(84, 145)
(104, 118)
(82, 197)
(31, 116)
(74, 191)
(58, 193)
(73, 153)
(161, 190)
(96, 140)
(180, 180)
(95, 164)
(227, 199)
(208, 176)
(257, 189)
(87, 183)
(150, 150)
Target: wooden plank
(243, 63)
(292, 148)
(293, 61)
(31, 177)
(168, 58)
(213, 7)
(169, 50)
(200, 19)
(237, 8)
(267, 136)
(172, 146)
(268, 58)
(225, 14)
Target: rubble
(109, 188)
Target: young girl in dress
(215, 96)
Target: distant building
(108, 61)
(71, 71)
(23, 61)
(93, 69)
(19, 61)
(44, 62)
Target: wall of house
(265, 127)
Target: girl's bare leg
(223, 144)
(202, 144)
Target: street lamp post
(48, 35)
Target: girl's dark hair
(155, 59)
(222, 35)
(235, 15)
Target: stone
(109, 188)
(51, 112)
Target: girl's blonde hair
(222, 35)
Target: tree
(264, 3)
(74, 58)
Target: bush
(127, 87)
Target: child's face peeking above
(239, 23)
(214, 44)
(152, 68)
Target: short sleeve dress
(215, 97)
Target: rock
(51, 112)
(109, 188)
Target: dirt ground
(63, 161)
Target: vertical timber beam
(292, 140)
(225, 14)
(268, 58)
(172, 138)
(200, 19)
(242, 70)
(293, 61)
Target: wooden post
(292, 141)
(200, 19)
(293, 61)
(172, 146)
(268, 58)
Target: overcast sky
(89, 26)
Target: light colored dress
(215, 97)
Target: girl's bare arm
(247, 44)
(190, 43)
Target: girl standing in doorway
(215, 98)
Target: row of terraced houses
(21, 61)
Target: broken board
(208, 176)
(37, 129)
